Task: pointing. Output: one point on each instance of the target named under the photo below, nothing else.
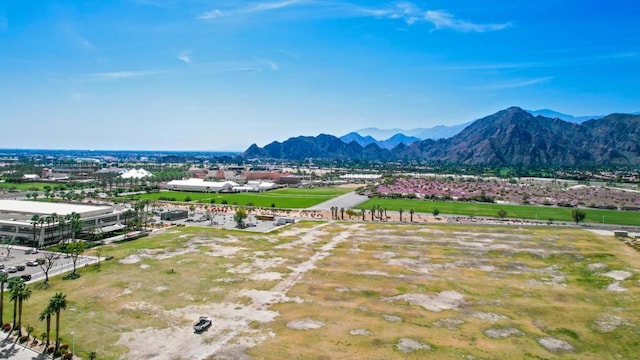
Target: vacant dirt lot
(333, 290)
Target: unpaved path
(231, 333)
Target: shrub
(51, 349)
(64, 346)
(67, 356)
(24, 338)
(6, 327)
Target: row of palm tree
(21, 292)
(67, 223)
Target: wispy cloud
(406, 11)
(268, 63)
(72, 33)
(184, 57)
(251, 9)
(513, 84)
(116, 75)
(442, 19)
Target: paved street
(11, 350)
(347, 201)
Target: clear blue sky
(221, 75)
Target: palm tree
(41, 221)
(13, 283)
(411, 212)
(34, 221)
(3, 279)
(76, 225)
(401, 210)
(46, 315)
(61, 225)
(58, 303)
(23, 293)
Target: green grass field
(28, 186)
(513, 211)
(281, 198)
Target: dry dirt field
(342, 290)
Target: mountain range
(511, 137)
(395, 136)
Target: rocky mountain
(509, 137)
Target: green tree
(46, 315)
(58, 303)
(13, 283)
(34, 221)
(435, 212)
(502, 213)
(578, 215)
(240, 216)
(23, 293)
(3, 279)
(75, 249)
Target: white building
(200, 185)
(136, 174)
(16, 215)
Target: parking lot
(221, 221)
(17, 257)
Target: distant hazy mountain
(389, 143)
(511, 137)
(566, 117)
(362, 140)
(435, 133)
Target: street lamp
(73, 343)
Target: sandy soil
(234, 330)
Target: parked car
(1, 266)
(20, 267)
(26, 277)
(202, 324)
(12, 269)
(32, 263)
(31, 251)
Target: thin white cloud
(184, 57)
(269, 63)
(514, 84)
(251, 9)
(442, 19)
(406, 11)
(117, 75)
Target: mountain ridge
(512, 137)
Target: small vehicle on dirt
(202, 324)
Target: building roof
(46, 208)
(136, 174)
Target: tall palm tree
(61, 225)
(76, 225)
(46, 315)
(401, 210)
(411, 212)
(3, 279)
(34, 221)
(14, 284)
(41, 221)
(23, 293)
(58, 303)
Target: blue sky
(221, 75)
